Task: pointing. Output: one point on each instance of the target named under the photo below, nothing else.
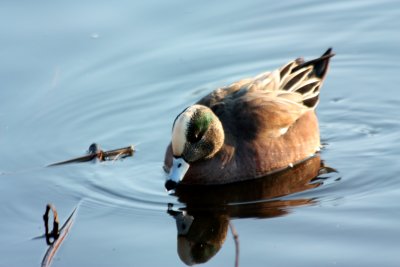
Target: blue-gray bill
(177, 172)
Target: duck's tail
(305, 77)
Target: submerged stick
(236, 239)
(58, 236)
(95, 152)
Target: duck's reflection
(200, 236)
(202, 225)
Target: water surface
(118, 74)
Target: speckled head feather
(197, 133)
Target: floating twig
(117, 157)
(55, 237)
(236, 239)
(95, 152)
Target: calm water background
(118, 73)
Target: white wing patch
(282, 131)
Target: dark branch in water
(236, 239)
(95, 152)
(55, 238)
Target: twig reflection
(55, 237)
(236, 239)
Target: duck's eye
(198, 127)
(194, 134)
(198, 137)
(195, 137)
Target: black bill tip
(170, 185)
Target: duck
(249, 129)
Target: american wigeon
(250, 128)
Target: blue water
(118, 73)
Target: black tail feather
(320, 65)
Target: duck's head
(197, 134)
